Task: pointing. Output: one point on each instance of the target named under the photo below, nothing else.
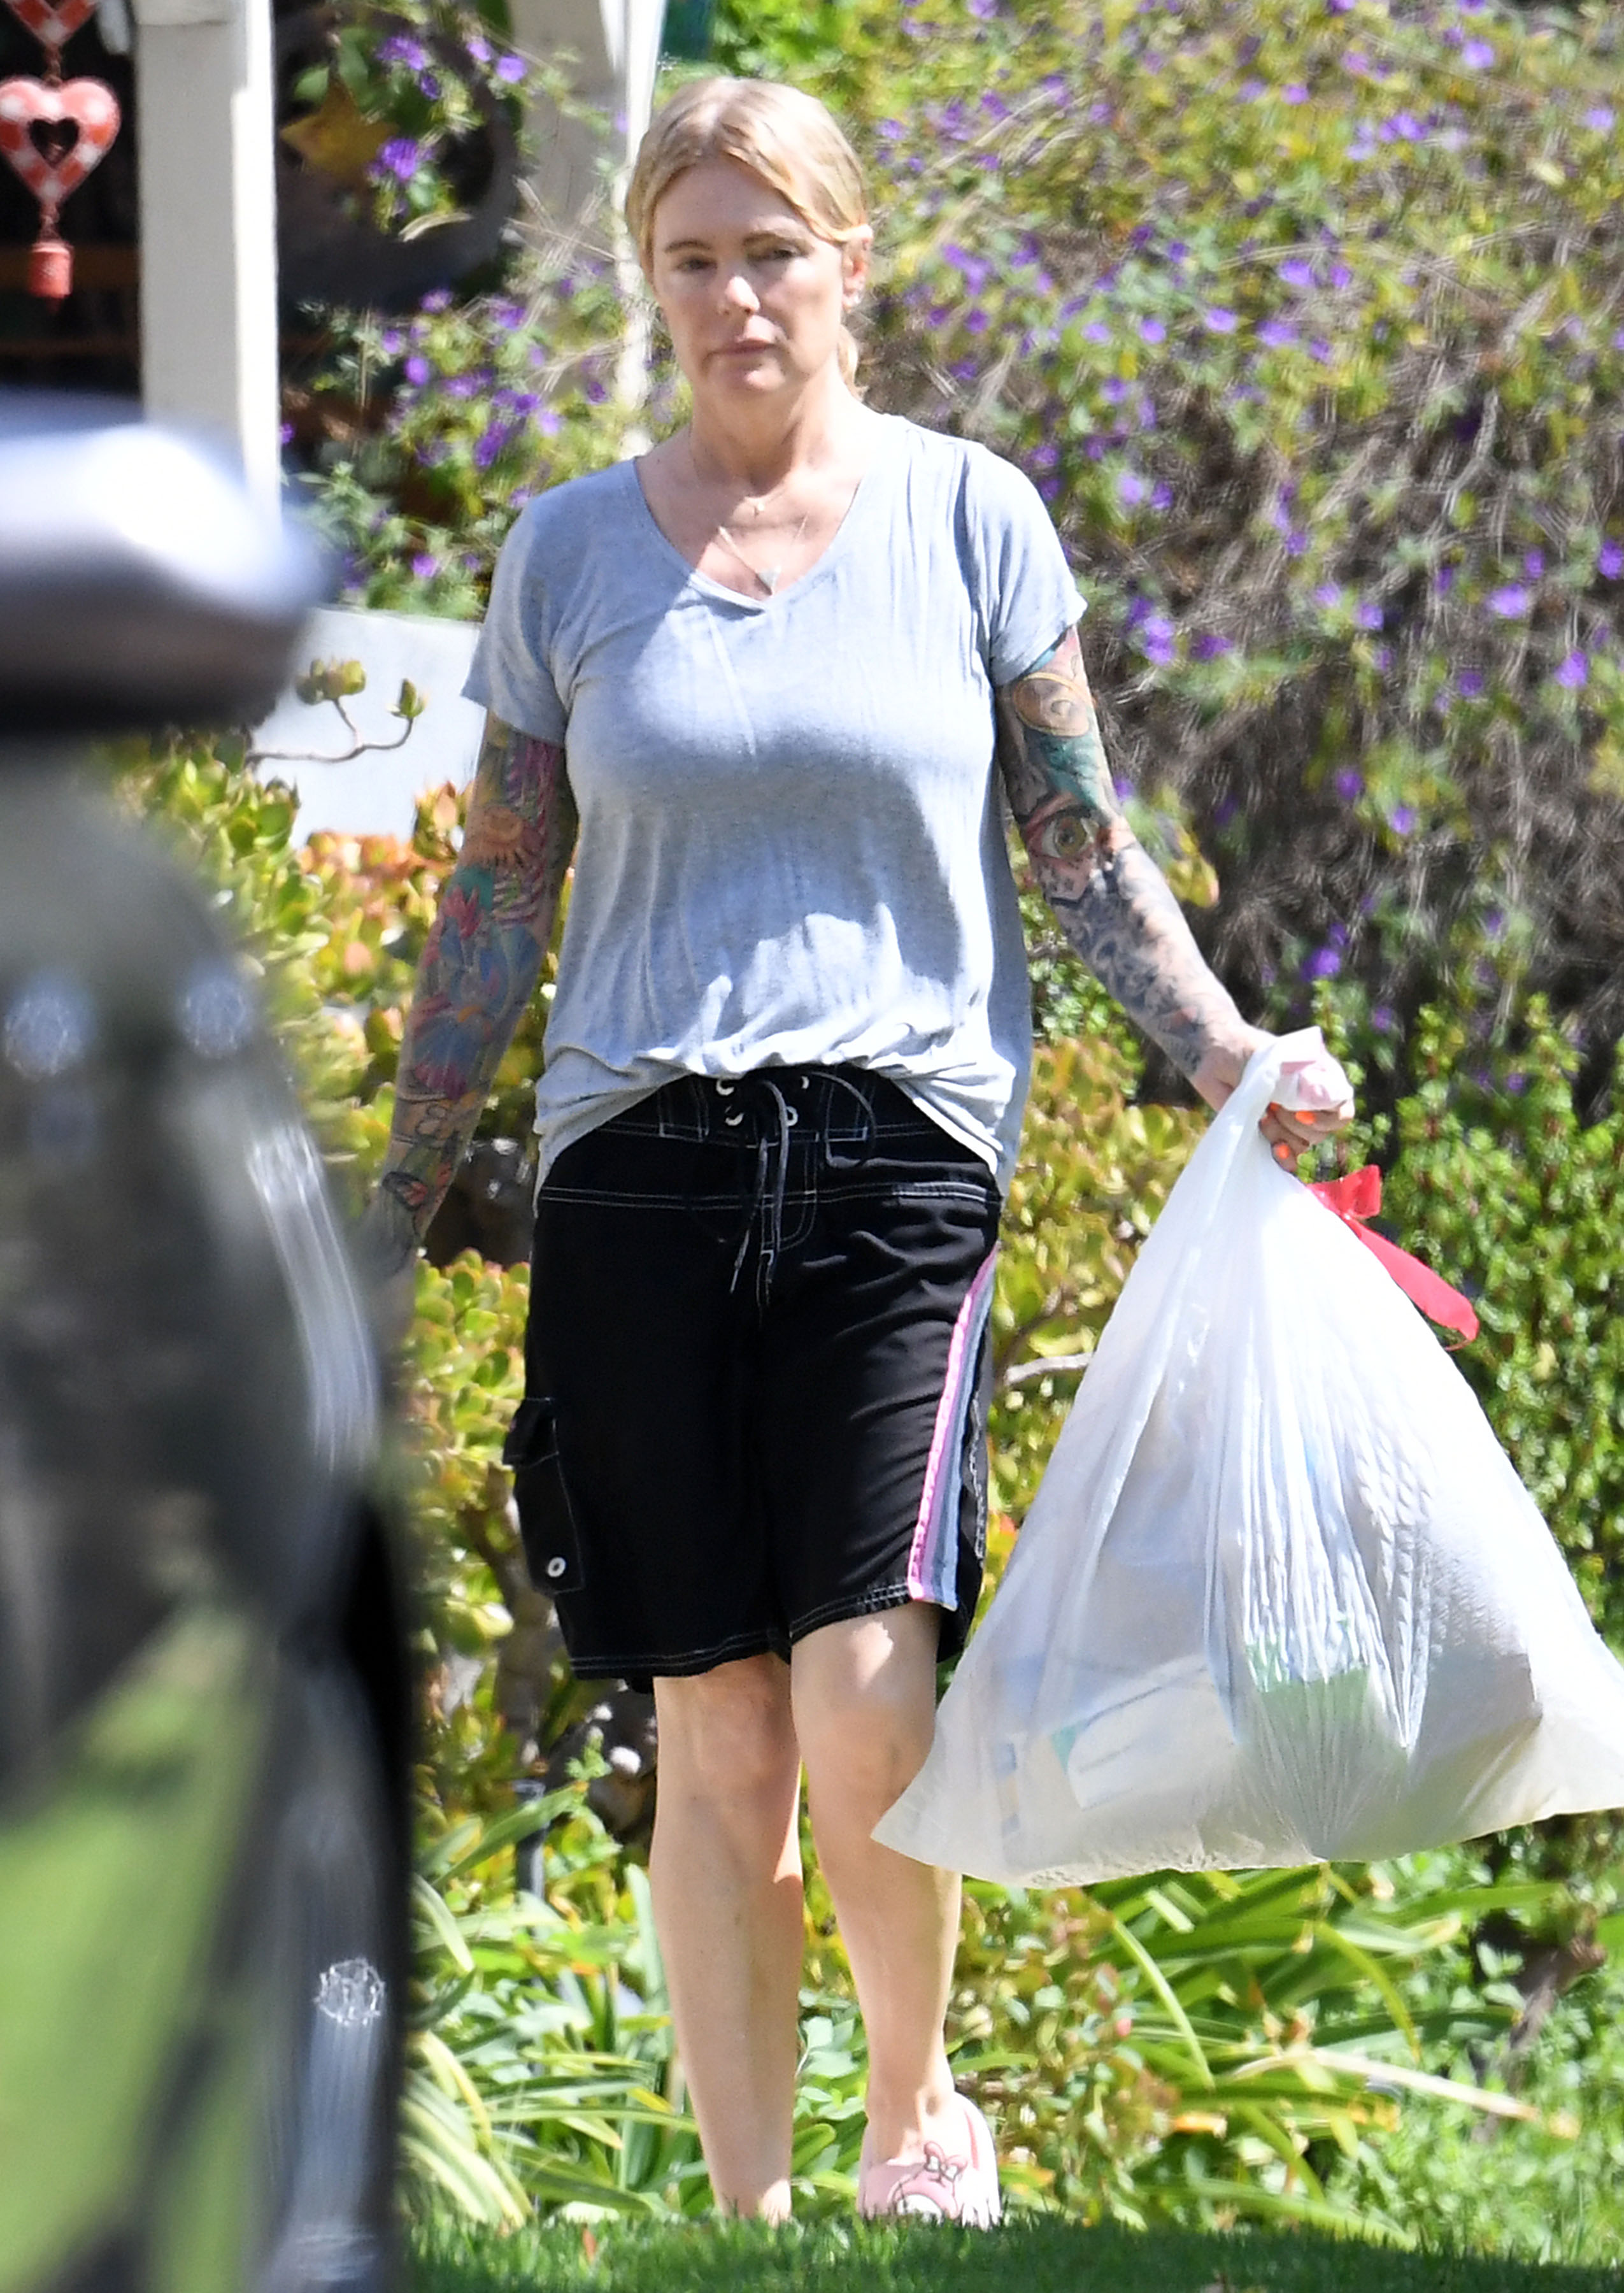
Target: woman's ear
(854, 265)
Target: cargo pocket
(546, 1522)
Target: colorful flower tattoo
(1108, 897)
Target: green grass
(1031, 2256)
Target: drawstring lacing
(779, 1119)
(769, 1206)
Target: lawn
(1031, 2256)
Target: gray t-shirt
(791, 847)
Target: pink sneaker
(959, 2185)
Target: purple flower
(1444, 579)
(1297, 543)
(1600, 116)
(1296, 94)
(982, 8)
(974, 269)
(1381, 1019)
(391, 342)
(1161, 497)
(1151, 330)
(1327, 594)
(1278, 334)
(1349, 784)
(1340, 276)
(546, 421)
(478, 47)
(417, 370)
(285, 434)
(1114, 390)
(1209, 644)
(1321, 350)
(1477, 56)
(1218, 321)
(438, 300)
(511, 68)
(1297, 271)
(1338, 7)
(428, 84)
(1157, 640)
(1516, 1082)
(1097, 331)
(1574, 672)
(1131, 486)
(1408, 127)
(1511, 602)
(425, 565)
(1401, 819)
(1533, 565)
(1469, 683)
(976, 323)
(1367, 615)
(1618, 340)
(1324, 963)
(400, 158)
(1610, 562)
(399, 50)
(1122, 788)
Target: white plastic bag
(1280, 1595)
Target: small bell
(49, 266)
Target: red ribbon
(1358, 1197)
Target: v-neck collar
(856, 514)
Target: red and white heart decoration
(53, 22)
(52, 132)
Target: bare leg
(865, 1706)
(725, 1870)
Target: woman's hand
(1290, 1131)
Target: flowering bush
(395, 103)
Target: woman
(761, 674)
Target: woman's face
(754, 298)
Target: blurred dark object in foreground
(204, 1710)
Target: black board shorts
(757, 1368)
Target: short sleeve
(1029, 597)
(509, 674)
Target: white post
(615, 47)
(204, 85)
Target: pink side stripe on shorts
(932, 1570)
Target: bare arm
(1110, 898)
(478, 972)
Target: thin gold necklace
(768, 576)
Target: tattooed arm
(1110, 898)
(478, 972)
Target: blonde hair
(780, 134)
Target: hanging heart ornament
(53, 22)
(52, 134)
